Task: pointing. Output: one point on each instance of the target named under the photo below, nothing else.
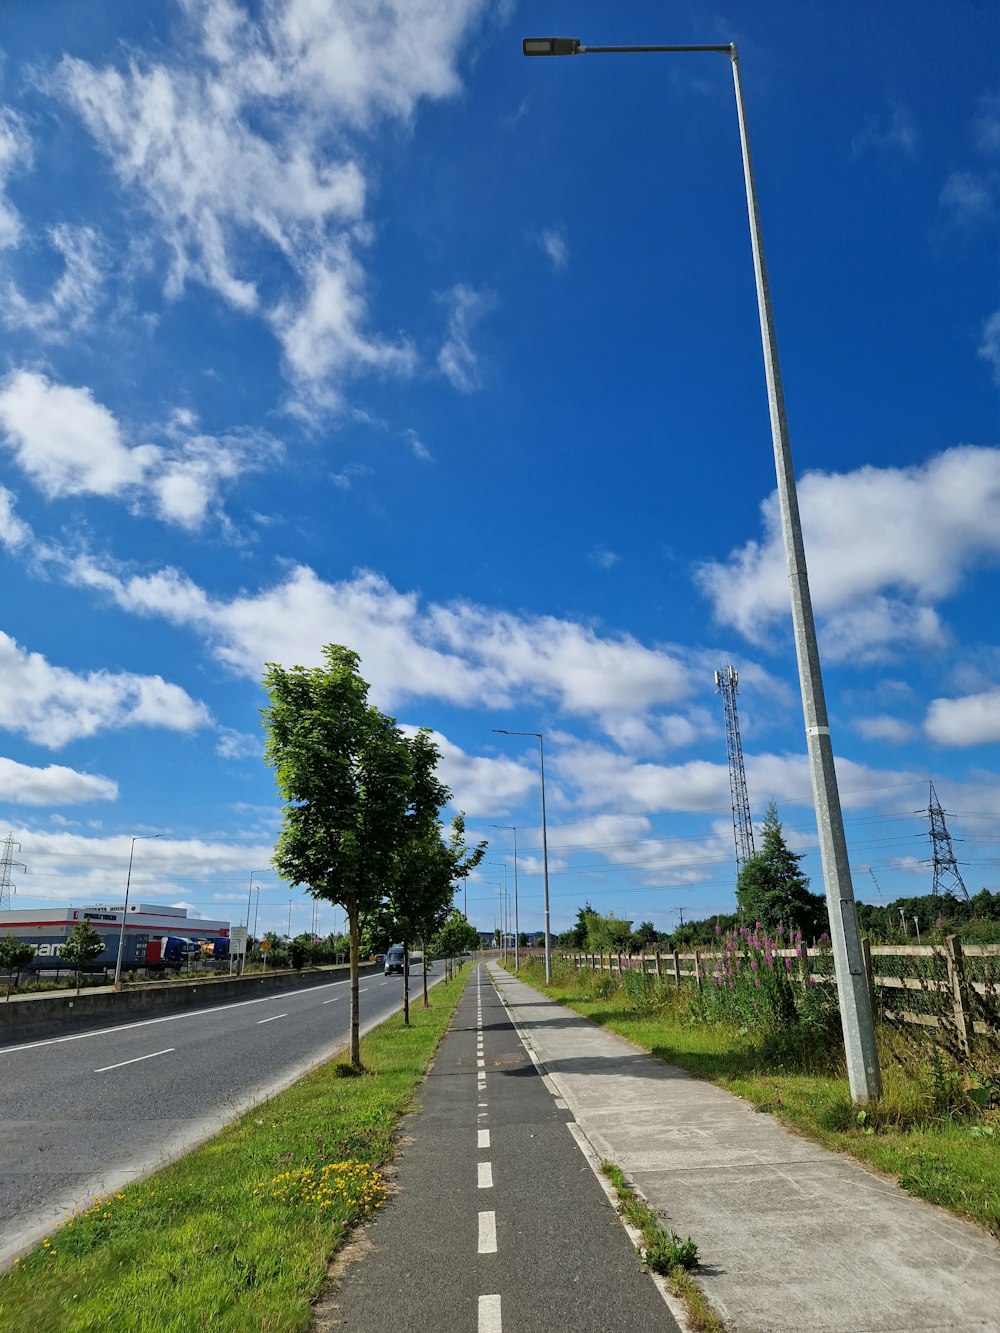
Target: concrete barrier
(62, 1013)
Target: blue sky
(344, 322)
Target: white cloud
(989, 346)
(884, 728)
(883, 544)
(891, 133)
(21, 784)
(459, 652)
(973, 720)
(69, 444)
(238, 745)
(15, 151)
(74, 295)
(482, 786)
(53, 706)
(239, 148)
(553, 243)
(966, 197)
(603, 558)
(457, 360)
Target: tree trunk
(406, 985)
(423, 947)
(352, 919)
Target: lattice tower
(7, 864)
(727, 684)
(946, 872)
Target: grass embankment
(238, 1234)
(934, 1151)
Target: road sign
(238, 939)
(265, 945)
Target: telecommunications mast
(727, 684)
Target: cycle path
(792, 1236)
(496, 1224)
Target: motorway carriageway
(86, 1113)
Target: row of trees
(361, 822)
(773, 889)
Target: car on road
(394, 960)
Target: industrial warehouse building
(147, 928)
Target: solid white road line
(152, 1055)
(489, 1315)
(271, 1019)
(485, 1170)
(487, 1233)
(483, 1138)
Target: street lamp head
(550, 46)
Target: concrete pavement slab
(792, 1237)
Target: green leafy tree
(343, 769)
(455, 937)
(83, 944)
(607, 932)
(772, 887)
(14, 954)
(644, 935)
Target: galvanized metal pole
(852, 984)
(545, 869)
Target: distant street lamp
(139, 837)
(502, 731)
(852, 981)
(517, 927)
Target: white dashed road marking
(487, 1233)
(489, 1315)
(484, 1138)
(485, 1175)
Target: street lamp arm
(571, 46)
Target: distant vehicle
(394, 960)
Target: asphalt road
(85, 1113)
(499, 1223)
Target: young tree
(772, 888)
(14, 954)
(83, 944)
(421, 893)
(343, 769)
(455, 937)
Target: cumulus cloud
(883, 545)
(67, 443)
(20, 784)
(458, 652)
(972, 720)
(457, 360)
(245, 151)
(885, 728)
(53, 706)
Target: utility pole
(945, 864)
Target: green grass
(237, 1235)
(935, 1153)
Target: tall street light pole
(501, 731)
(517, 926)
(852, 982)
(249, 896)
(139, 837)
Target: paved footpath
(499, 1224)
(793, 1237)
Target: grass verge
(665, 1253)
(940, 1157)
(238, 1234)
